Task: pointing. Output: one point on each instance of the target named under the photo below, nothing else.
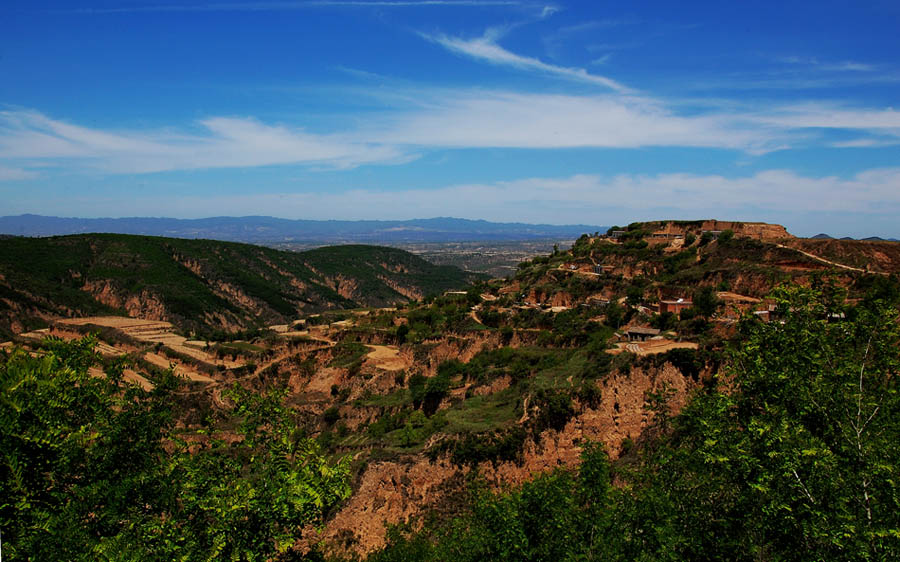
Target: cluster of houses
(664, 235)
(764, 310)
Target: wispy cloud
(549, 10)
(871, 197)
(228, 142)
(594, 25)
(744, 83)
(843, 66)
(798, 73)
(851, 66)
(832, 116)
(424, 120)
(557, 42)
(486, 49)
(516, 120)
(866, 143)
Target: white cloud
(794, 59)
(830, 116)
(871, 198)
(437, 120)
(844, 66)
(594, 25)
(865, 143)
(485, 48)
(513, 120)
(583, 196)
(227, 143)
(850, 66)
(548, 11)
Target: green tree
(793, 459)
(615, 314)
(402, 334)
(821, 399)
(706, 302)
(634, 295)
(557, 516)
(92, 468)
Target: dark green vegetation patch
(204, 285)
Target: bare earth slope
(873, 256)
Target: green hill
(202, 285)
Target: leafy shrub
(472, 449)
(554, 411)
(93, 467)
(331, 415)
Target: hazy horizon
(801, 234)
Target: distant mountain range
(823, 236)
(267, 230)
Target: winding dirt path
(829, 262)
(562, 267)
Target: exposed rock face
(142, 305)
(462, 349)
(759, 230)
(193, 266)
(387, 493)
(496, 385)
(561, 298)
(393, 492)
(407, 292)
(230, 292)
(396, 268)
(344, 287)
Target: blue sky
(507, 110)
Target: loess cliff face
(142, 305)
(756, 230)
(401, 484)
(399, 491)
(762, 231)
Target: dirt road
(829, 262)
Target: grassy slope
(48, 275)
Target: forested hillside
(202, 285)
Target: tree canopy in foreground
(92, 468)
